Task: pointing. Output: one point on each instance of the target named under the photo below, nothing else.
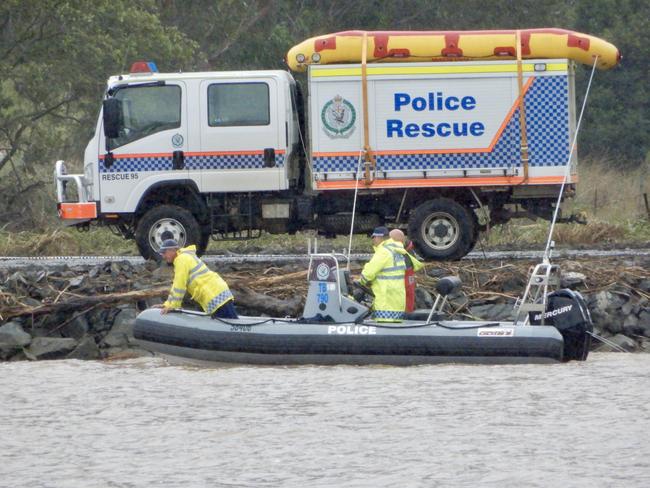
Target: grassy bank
(514, 235)
(611, 200)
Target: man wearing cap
(191, 275)
(385, 275)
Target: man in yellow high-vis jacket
(385, 275)
(192, 275)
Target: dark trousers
(226, 311)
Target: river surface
(144, 423)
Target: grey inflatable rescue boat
(335, 329)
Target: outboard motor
(567, 311)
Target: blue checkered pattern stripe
(230, 161)
(218, 301)
(546, 130)
(211, 161)
(547, 121)
(387, 315)
(131, 165)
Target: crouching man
(192, 275)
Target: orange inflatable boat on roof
(387, 46)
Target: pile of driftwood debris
(46, 300)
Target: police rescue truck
(436, 148)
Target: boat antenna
(567, 170)
(354, 205)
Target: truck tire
(203, 243)
(166, 218)
(443, 229)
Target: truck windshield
(147, 110)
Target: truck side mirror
(113, 120)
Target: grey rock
(572, 279)
(86, 349)
(12, 334)
(41, 293)
(423, 298)
(614, 325)
(12, 339)
(50, 347)
(100, 320)
(76, 329)
(629, 308)
(493, 311)
(19, 356)
(31, 302)
(602, 319)
(44, 332)
(644, 321)
(436, 272)
(619, 298)
(77, 281)
(513, 284)
(458, 300)
(644, 285)
(121, 333)
(645, 346)
(625, 342)
(115, 269)
(16, 281)
(599, 302)
(631, 325)
(163, 272)
(604, 301)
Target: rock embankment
(87, 312)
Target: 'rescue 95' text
(119, 176)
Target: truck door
(151, 145)
(243, 141)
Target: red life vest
(409, 281)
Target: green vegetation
(55, 56)
(526, 234)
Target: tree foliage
(55, 56)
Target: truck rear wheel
(443, 229)
(161, 221)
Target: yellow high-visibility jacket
(385, 274)
(191, 275)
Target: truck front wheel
(442, 229)
(158, 223)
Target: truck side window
(231, 104)
(147, 110)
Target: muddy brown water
(143, 422)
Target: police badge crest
(338, 117)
